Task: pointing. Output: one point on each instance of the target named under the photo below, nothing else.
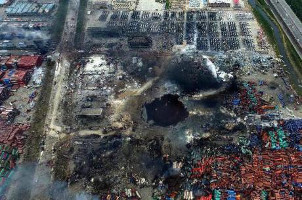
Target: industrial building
(20, 8)
(219, 3)
(123, 4)
(5, 2)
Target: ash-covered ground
(135, 115)
(138, 125)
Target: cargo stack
(29, 62)
(16, 77)
(12, 135)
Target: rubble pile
(244, 148)
(13, 135)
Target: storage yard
(21, 78)
(25, 27)
(163, 100)
(24, 39)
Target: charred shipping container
(4, 91)
(98, 32)
(140, 41)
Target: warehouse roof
(219, 1)
(3, 2)
(91, 112)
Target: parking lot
(209, 31)
(29, 30)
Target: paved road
(43, 180)
(70, 26)
(33, 180)
(293, 26)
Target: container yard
(136, 99)
(20, 81)
(25, 39)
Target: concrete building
(124, 4)
(219, 3)
(5, 2)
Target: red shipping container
(12, 61)
(29, 62)
(19, 77)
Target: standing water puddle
(166, 111)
